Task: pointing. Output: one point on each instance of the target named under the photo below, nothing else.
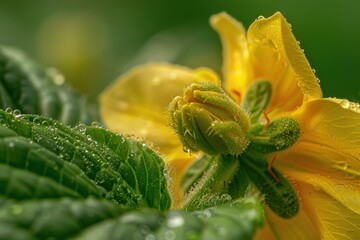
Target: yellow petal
(334, 220)
(236, 69)
(177, 164)
(276, 56)
(276, 228)
(327, 154)
(320, 217)
(137, 102)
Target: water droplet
(145, 229)
(17, 113)
(11, 144)
(150, 237)
(89, 137)
(170, 235)
(260, 17)
(185, 149)
(37, 120)
(45, 123)
(81, 128)
(2, 119)
(95, 124)
(9, 110)
(176, 221)
(345, 104)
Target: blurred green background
(92, 42)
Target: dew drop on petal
(345, 104)
(185, 149)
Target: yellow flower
(323, 165)
(137, 103)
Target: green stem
(212, 188)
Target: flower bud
(207, 119)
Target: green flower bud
(207, 119)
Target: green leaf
(22, 184)
(28, 170)
(140, 166)
(124, 170)
(279, 193)
(53, 219)
(236, 220)
(257, 98)
(27, 87)
(101, 219)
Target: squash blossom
(273, 104)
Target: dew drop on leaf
(45, 123)
(176, 221)
(81, 128)
(95, 124)
(37, 120)
(9, 110)
(17, 113)
(150, 237)
(170, 235)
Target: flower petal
(327, 155)
(236, 68)
(137, 102)
(276, 56)
(277, 228)
(177, 164)
(334, 220)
